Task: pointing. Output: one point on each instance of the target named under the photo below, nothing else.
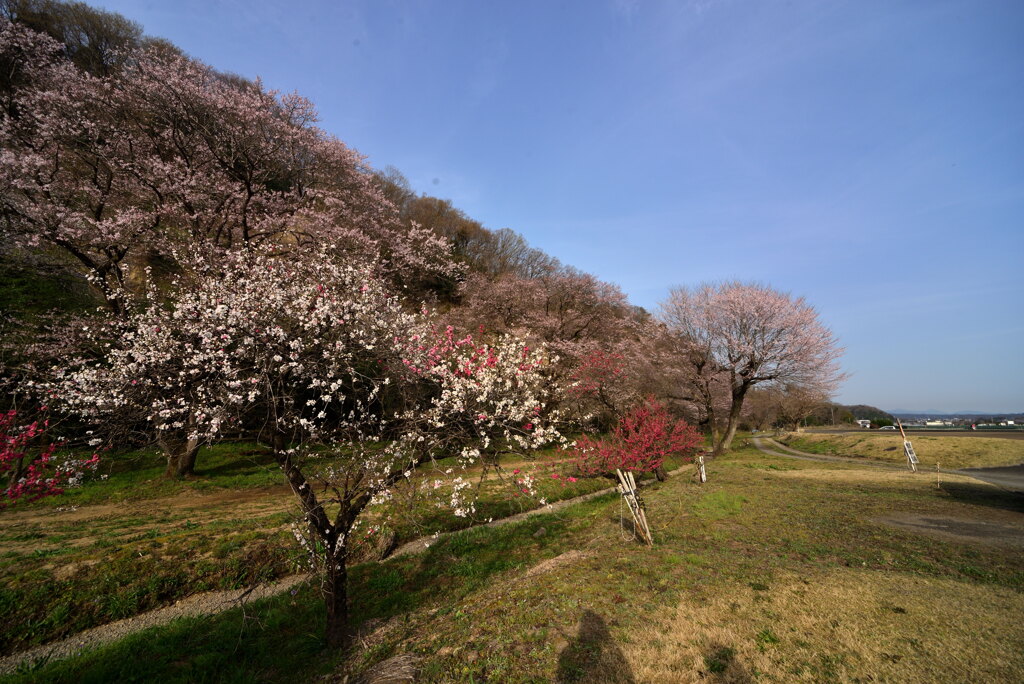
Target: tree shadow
(981, 494)
(243, 463)
(593, 656)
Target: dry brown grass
(844, 625)
(949, 451)
(876, 476)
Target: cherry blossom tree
(749, 335)
(166, 151)
(356, 392)
(565, 309)
(700, 385)
(796, 403)
(587, 322)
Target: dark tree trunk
(181, 452)
(334, 540)
(734, 419)
(661, 473)
(336, 598)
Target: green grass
(32, 293)
(269, 641)
(138, 475)
(140, 550)
(280, 639)
(118, 577)
(732, 547)
(719, 504)
(147, 550)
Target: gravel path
(211, 603)
(207, 603)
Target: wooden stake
(627, 487)
(938, 476)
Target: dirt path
(207, 603)
(1008, 477)
(211, 603)
(787, 452)
(1005, 477)
(959, 529)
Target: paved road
(1010, 477)
(1007, 477)
(1002, 434)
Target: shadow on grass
(281, 638)
(984, 495)
(451, 568)
(246, 462)
(593, 656)
(722, 664)
(270, 640)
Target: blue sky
(868, 155)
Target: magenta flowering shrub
(29, 468)
(643, 439)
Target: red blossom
(640, 442)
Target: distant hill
(872, 413)
(978, 416)
(949, 414)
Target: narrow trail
(214, 602)
(787, 452)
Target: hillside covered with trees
(192, 259)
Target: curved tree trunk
(180, 451)
(334, 539)
(734, 419)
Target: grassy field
(135, 541)
(775, 570)
(949, 451)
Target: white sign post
(700, 470)
(908, 449)
(911, 456)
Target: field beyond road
(912, 432)
(951, 452)
(775, 570)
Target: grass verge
(950, 452)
